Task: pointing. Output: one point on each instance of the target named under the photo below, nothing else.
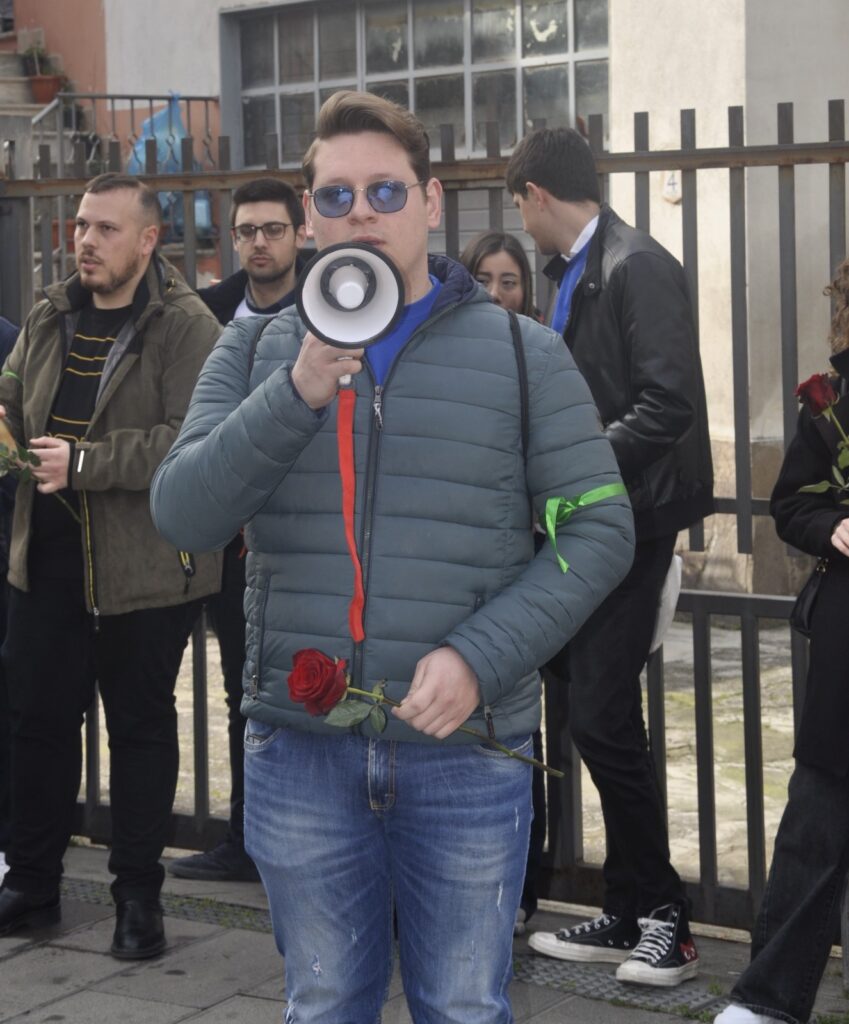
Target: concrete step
(8, 42)
(15, 90)
(11, 65)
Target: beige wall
(76, 31)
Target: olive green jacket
(143, 396)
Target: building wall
(76, 31)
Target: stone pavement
(221, 965)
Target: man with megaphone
(383, 474)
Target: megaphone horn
(350, 295)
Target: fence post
(452, 198)
(787, 276)
(16, 258)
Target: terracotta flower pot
(45, 87)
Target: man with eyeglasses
(267, 227)
(454, 613)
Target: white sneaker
(734, 1014)
(603, 940)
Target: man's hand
(55, 455)
(318, 368)
(443, 694)
(840, 537)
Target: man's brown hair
(349, 113)
(112, 181)
(558, 160)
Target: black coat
(807, 521)
(632, 335)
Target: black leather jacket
(632, 335)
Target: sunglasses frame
(403, 191)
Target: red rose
(316, 681)
(817, 393)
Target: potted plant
(44, 81)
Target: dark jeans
(226, 613)
(603, 663)
(800, 911)
(53, 657)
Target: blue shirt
(568, 283)
(381, 354)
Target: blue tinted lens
(387, 196)
(333, 200)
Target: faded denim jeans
(341, 827)
(799, 915)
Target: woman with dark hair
(801, 906)
(498, 261)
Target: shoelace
(655, 941)
(584, 929)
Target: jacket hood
(458, 285)
(161, 280)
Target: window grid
(468, 70)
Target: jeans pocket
(515, 744)
(259, 736)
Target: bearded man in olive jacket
(96, 388)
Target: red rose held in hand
(816, 393)
(317, 681)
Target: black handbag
(802, 613)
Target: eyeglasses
(382, 196)
(272, 231)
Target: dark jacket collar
(556, 267)
(458, 285)
(840, 362)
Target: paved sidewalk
(222, 966)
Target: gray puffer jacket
(442, 506)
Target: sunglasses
(382, 196)
(272, 231)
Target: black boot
(139, 932)
(22, 910)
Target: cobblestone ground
(680, 733)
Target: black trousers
(226, 613)
(53, 657)
(603, 663)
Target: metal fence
(28, 208)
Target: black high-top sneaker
(666, 954)
(606, 939)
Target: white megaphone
(350, 295)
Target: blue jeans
(342, 827)
(799, 916)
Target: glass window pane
(494, 99)
(545, 29)
(297, 124)
(295, 43)
(337, 41)
(440, 101)
(386, 37)
(257, 122)
(438, 32)
(591, 89)
(493, 29)
(397, 92)
(257, 46)
(547, 96)
(590, 23)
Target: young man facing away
(267, 226)
(457, 611)
(623, 308)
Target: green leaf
(843, 457)
(838, 476)
(819, 488)
(25, 475)
(377, 717)
(348, 713)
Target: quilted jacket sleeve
(530, 620)
(233, 449)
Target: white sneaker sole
(640, 973)
(549, 945)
